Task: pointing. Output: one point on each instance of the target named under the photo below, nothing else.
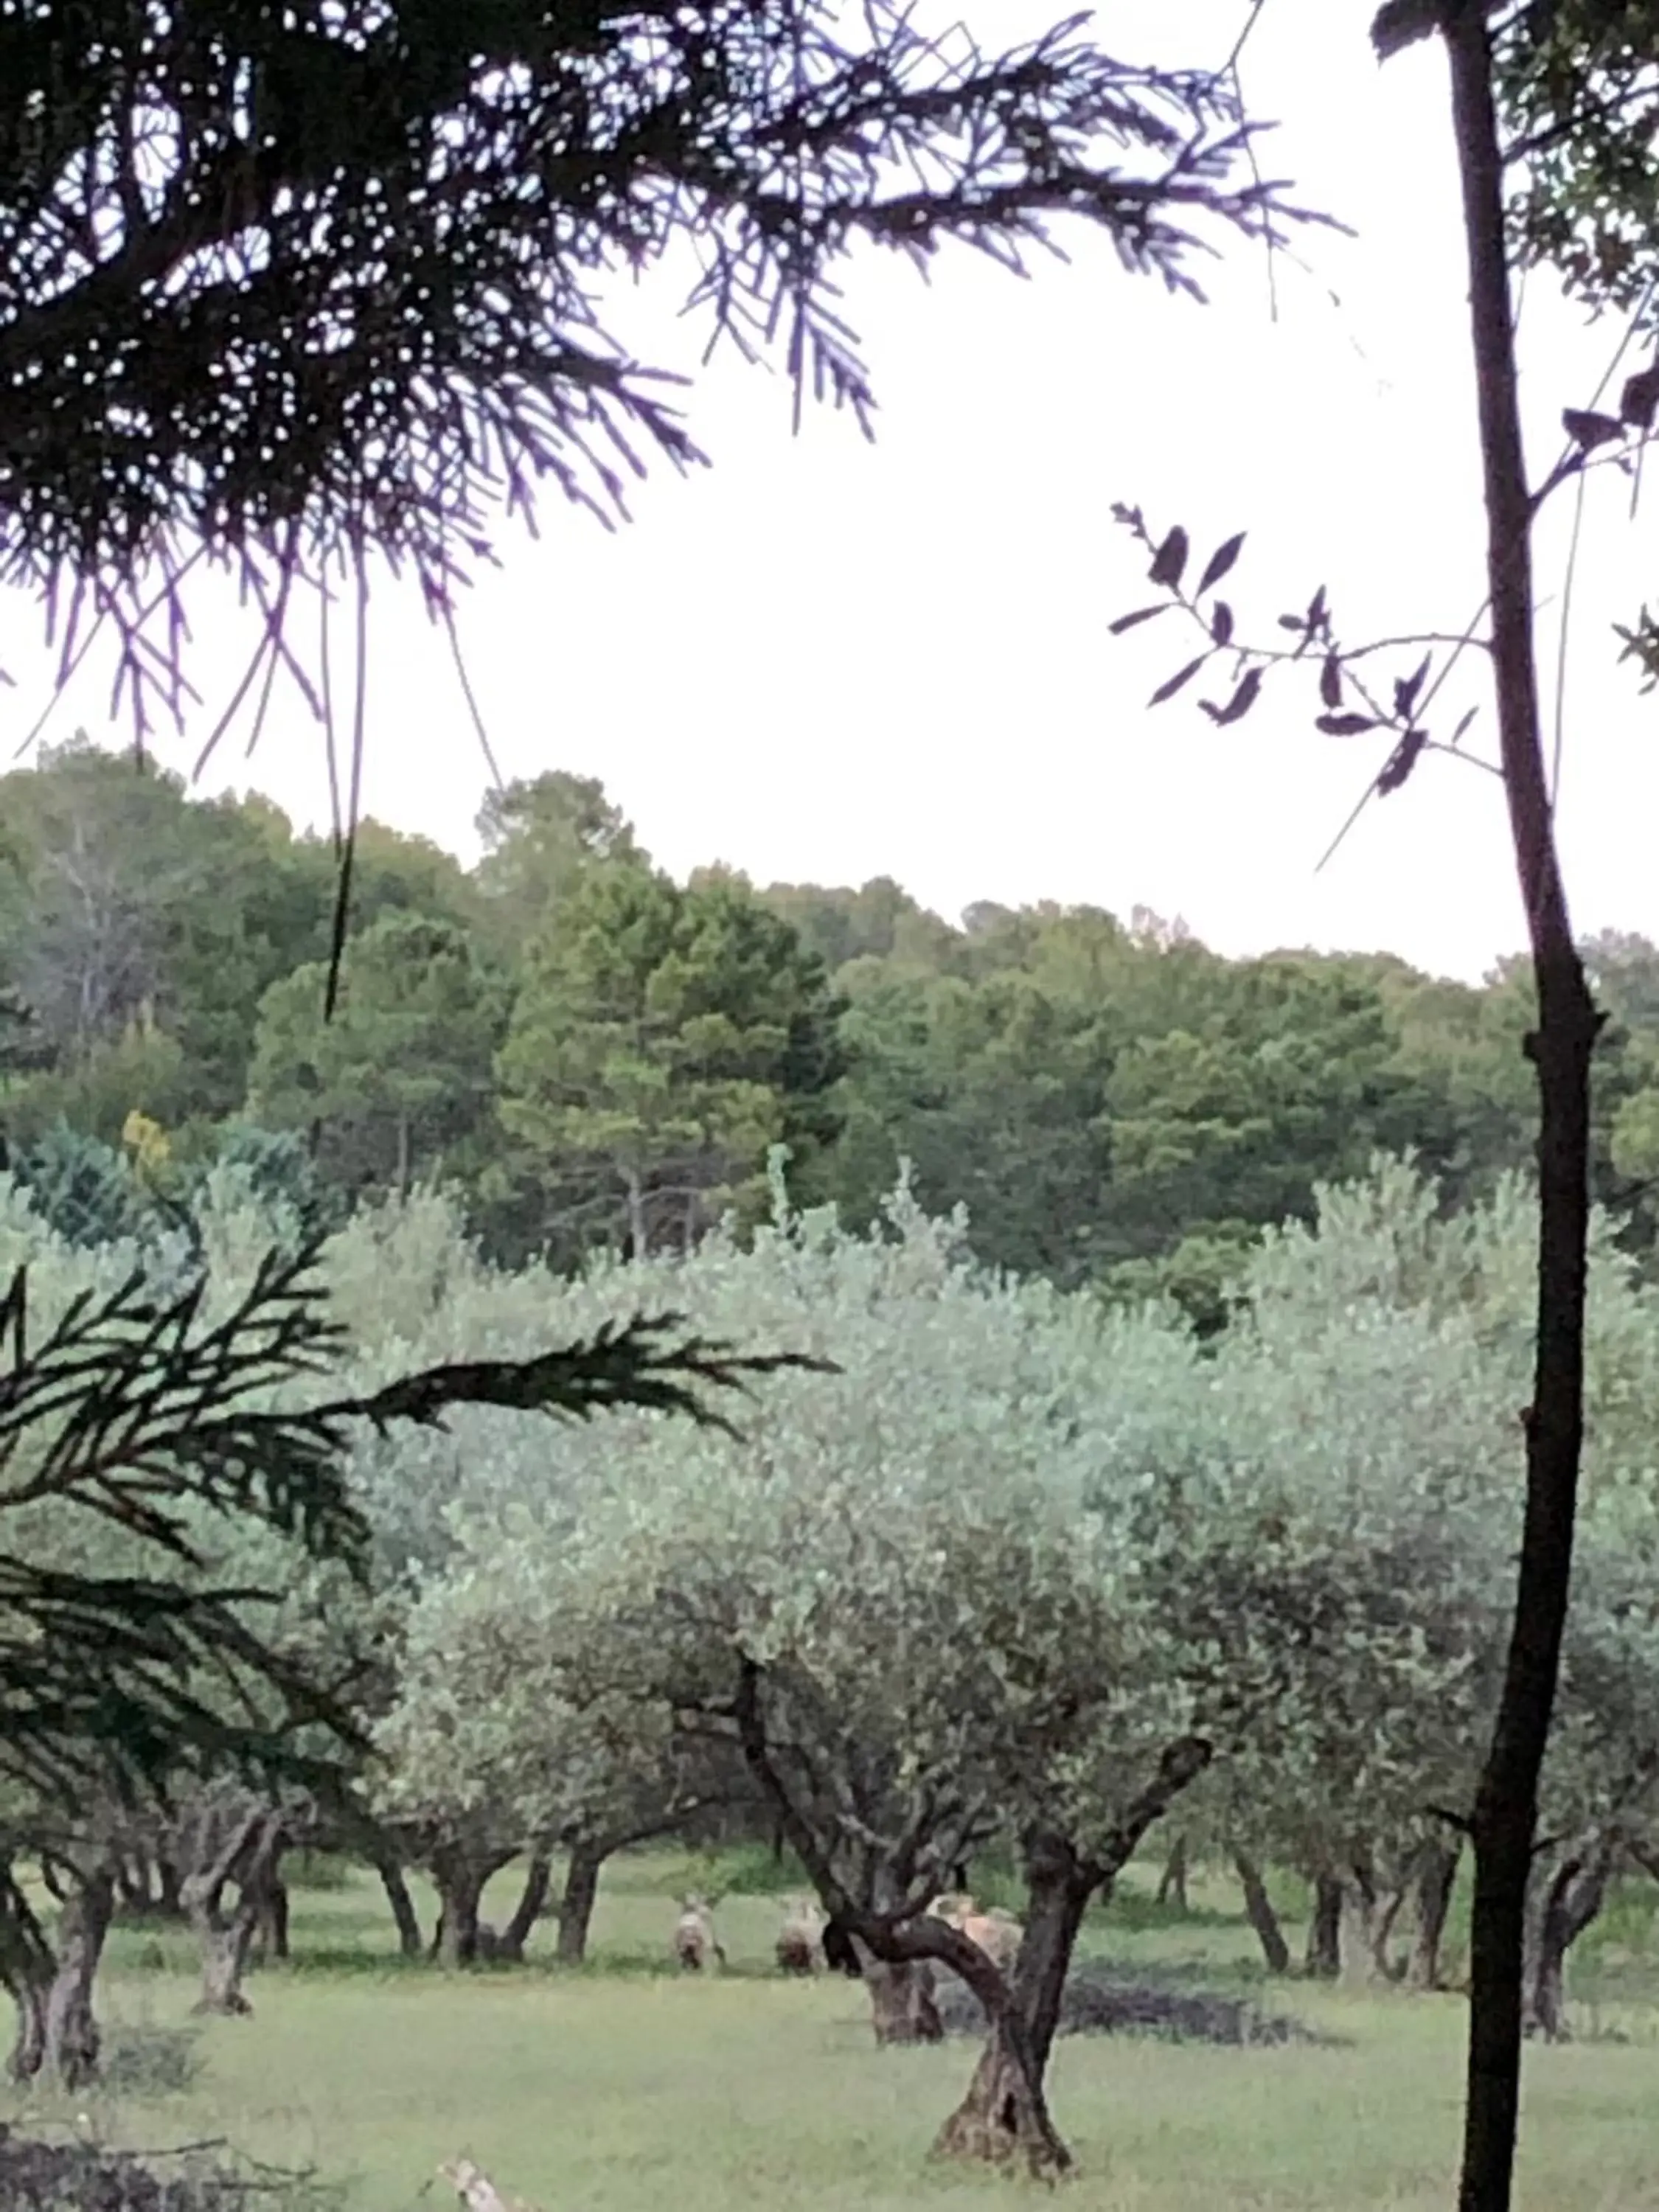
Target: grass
(626, 2088)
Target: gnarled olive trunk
(27, 1966)
(903, 2007)
(576, 1902)
(69, 2049)
(539, 1877)
(58, 2038)
(247, 1859)
(1004, 2115)
(1367, 1914)
(1570, 1898)
(1436, 1877)
(462, 1877)
(1259, 1911)
(402, 1907)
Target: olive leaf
(1170, 561)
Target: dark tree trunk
(272, 1930)
(403, 1906)
(1505, 1812)
(462, 1880)
(1172, 1889)
(777, 1843)
(1437, 1876)
(170, 1889)
(576, 1902)
(28, 1967)
(1259, 1911)
(1004, 2114)
(1324, 1956)
(539, 1877)
(840, 1952)
(69, 2054)
(1572, 1897)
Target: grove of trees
(1000, 1569)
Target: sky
(822, 660)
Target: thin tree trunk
(1506, 1799)
(402, 1170)
(539, 1877)
(170, 1884)
(1356, 1936)
(638, 1236)
(1386, 1966)
(403, 1906)
(1259, 1911)
(1172, 1889)
(69, 2054)
(576, 1902)
(1324, 1955)
(1437, 1876)
(272, 1929)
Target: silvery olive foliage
(1376, 1376)
(963, 1628)
(1004, 1549)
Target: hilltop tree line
(596, 1057)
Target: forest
(590, 1057)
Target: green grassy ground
(625, 2088)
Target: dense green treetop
(593, 1052)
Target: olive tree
(519, 1725)
(1375, 1365)
(900, 1590)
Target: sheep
(694, 1940)
(997, 1932)
(800, 1936)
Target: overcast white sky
(823, 660)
